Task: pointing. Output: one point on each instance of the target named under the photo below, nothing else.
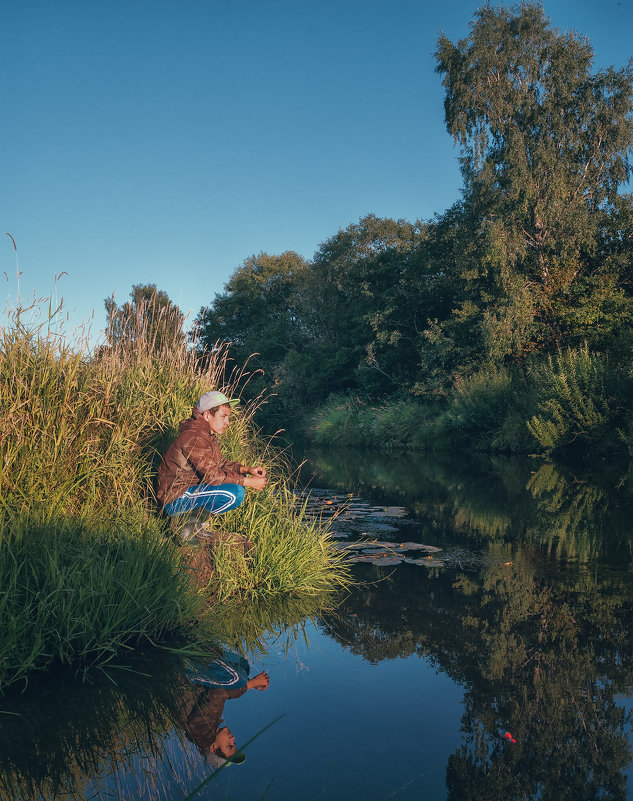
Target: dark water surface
(516, 620)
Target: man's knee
(240, 493)
(224, 498)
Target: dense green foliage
(75, 594)
(464, 313)
(570, 402)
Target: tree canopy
(259, 315)
(536, 254)
(545, 145)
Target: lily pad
(386, 561)
(376, 553)
(416, 546)
(425, 562)
(382, 561)
(395, 511)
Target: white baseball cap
(212, 399)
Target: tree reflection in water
(537, 630)
(536, 627)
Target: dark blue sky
(165, 141)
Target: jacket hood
(195, 421)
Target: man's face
(226, 742)
(218, 422)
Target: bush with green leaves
(582, 400)
(487, 409)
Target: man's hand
(255, 471)
(255, 482)
(259, 682)
(254, 477)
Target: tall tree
(364, 306)
(259, 315)
(545, 145)
(149, 315)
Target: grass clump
(340, 420)
(293, 555)
(73, 594)
(353, 422)
(84, 564)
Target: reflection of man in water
(201, 717)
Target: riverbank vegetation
(87, 565)
(571, 402)
(506, 321)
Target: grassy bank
(574, 402)
(77, 594)
(85, 565)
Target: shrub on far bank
(340, 420)
(574, 402)
(583, 400)
(352, 422)
(488, 410)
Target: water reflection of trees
(542, 653)
(573, 512)
(582, 515)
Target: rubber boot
(190, 526)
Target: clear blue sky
(165, 141)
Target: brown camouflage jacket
(200, 713)
(193, 458)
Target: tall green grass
(72, 594)
(84, 564)
(341, 420)
(391, 424)
(293, 556)
(79, 432)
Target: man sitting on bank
(193, 474)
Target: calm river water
(494, 664)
